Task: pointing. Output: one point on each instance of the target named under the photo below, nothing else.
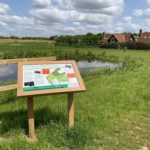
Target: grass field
(113, 114)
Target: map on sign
(48, 76)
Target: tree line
(88, 39)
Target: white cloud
(94, 19)
(77, 23)
(110, 7)
(127, 19)
(148, 1)
(4, 8)
(2, 24)
(78, 12)
(12, 24)
(137, 12)
(41, 3)
(17, 20)
(142, 13)
(144, 16)
(127, 25)
(49, 17)
(6, 71)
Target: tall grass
(25, 50)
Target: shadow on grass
(15, 120)
(51, 127)
(6, 101)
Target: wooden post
(71, 109)
(31, 128)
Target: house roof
(144, 38)
(105, 38)
(122, 38)
(145, 35)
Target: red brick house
(143, 37)
(117, 38)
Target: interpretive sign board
(48, 77)
(40, 78)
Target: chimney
(103, 34)
(140, 33)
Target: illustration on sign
(48, 76)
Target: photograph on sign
(49, 76)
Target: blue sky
(19, 7)
(59, 17)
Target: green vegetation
(89, 39)
(24, 50)
(131, 45)
(114, 112)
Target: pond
(85, 65)
(9, 72)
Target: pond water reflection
(85, 65)
(9, 72)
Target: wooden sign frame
(21, 93)
(30, 94)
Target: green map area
(55, 75)
(61, 77)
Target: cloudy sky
(58, 17)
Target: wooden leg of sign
(31, 128)
(71, 109)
